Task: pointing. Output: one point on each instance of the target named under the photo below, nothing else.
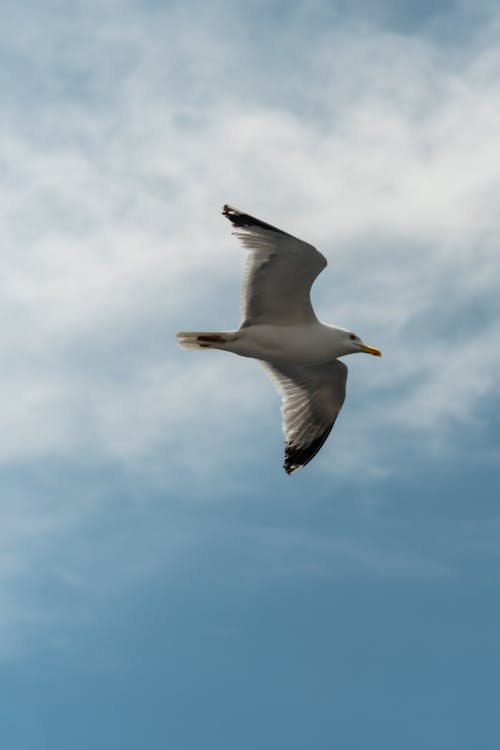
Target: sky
(163, 583)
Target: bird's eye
(352, 337)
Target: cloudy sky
(163, 583)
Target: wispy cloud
(127, 134)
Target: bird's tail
(204, 339)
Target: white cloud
(117, 228)
(381, 149)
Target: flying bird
(279, 328)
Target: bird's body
(309, 343)
(279, 327)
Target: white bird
(279, 328)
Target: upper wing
(312, 398)
(279, 274)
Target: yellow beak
(371, 350)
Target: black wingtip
(298, 456)
(240, 219)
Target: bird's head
(353, 344)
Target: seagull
(280, 329)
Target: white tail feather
(202, 339)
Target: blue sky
(162, 582)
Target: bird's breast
(284, 343)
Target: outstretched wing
(312, 398)
(279, 274)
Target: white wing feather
(312, 398)
(279, 273)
